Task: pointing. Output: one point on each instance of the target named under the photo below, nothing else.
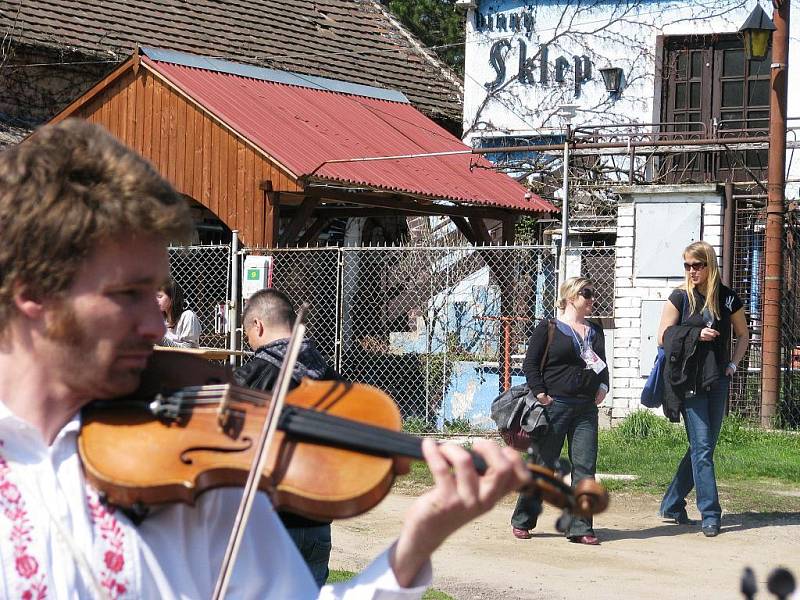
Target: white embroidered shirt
(175, 553)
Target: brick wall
(630, 291)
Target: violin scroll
(588, 498)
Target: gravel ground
(641, 555)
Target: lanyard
(579, 339)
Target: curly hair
(67, 188)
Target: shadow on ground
(730, 523)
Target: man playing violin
(85, 223)
(267, 322)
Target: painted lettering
(580, 68)
(498, 63)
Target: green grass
(338, 576)
(756, 470)
(752, 466)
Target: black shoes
(711, 530)
(680, 519)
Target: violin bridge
(166, 407)
(224, 412)
(230, 419)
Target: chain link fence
(441, 329)
(748, 282)
(309, 275)
(203, 272)
(789, 401)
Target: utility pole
(776, 191)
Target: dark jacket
(689, 365)
(261, 372)
(565, 373)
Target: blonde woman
(571, 382)
(695, 331)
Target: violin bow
(264, 442)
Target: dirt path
(641, 556)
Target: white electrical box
(257, 274)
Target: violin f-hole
(247, 444)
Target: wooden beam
(299, 220)
(508, 230)
(313, 231)
(404, 205)
(464, 228)
(480, 229)
(334, 212)
(271, 218)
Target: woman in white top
(183, 326)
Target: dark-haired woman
(702, 309)
(183, 326)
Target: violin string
(351, 433)
(310, 423)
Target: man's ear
(27, 303)
(259, 327)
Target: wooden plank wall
(200, 157)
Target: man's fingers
(506, 472)
(437, 463)
(467, 480)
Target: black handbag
(521, 419)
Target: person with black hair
(183, 326)
(267, 322)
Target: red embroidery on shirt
(12, 506)
(113, 538)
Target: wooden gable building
(254, 145)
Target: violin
(335, 454)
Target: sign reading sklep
(532, 65)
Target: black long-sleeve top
(565, 373)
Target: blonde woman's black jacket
(689, 366)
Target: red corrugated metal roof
(304, 129)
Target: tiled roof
(351, 40)
(329, 131)
(11, 132)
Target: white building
(534, 67)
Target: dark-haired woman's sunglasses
(587, 293)
(696, 266)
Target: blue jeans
(577, 422)
(314, 544)
(702, 416)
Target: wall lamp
(612, 77)
(756, 32)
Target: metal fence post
(233, 304)
(562, 264)
(339, 311)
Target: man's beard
(76, 341)
(64, 328)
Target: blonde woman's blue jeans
(702, 416)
